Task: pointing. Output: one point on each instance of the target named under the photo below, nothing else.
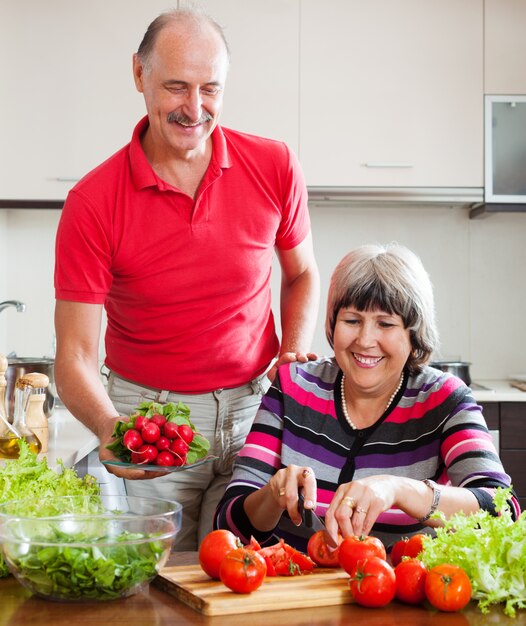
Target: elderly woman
(375, 439)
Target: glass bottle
(23, 392)
(9, 436)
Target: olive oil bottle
(11, 434)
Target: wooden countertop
(153, 607)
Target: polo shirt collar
(142, 172)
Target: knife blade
(313, 521)
(309, 517)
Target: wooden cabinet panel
(491, 412)
(514, 462)
(513, 426)
(391, 93)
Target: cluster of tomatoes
(373, 582)
(154, 440)
(243, 568)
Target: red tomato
(414, 545)
(321, 552)
(356, 548)
(243, 570)
(448, 587)
(410, 581)
(253, 544)
(373, 582)
(397, 551)
(214, 547)
(284, 560)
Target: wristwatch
(436, 498)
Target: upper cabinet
(69, 100)
(391, 93)
(504, 47)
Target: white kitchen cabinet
(504, 47)
(391, 93)
(262, 89)
(69, 101)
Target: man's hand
(290, 357)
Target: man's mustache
(181, 118)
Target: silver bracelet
(436, 498)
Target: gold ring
(360, 509)
(282, 492)
(349, 502)
(306, 473)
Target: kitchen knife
(312, 521)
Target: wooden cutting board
(189, 584)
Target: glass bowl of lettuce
(87, 547)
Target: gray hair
(192, 14)
(390, 278)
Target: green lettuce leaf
(491, 549)
(30, 477)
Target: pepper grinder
(35, 417)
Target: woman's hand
(265, 506)
(356, 505)
(285, 486)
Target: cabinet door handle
(64, 179)
(387, 165)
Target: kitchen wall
(477, 268)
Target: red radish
(132, 439)
(179, 460)
(165, 458)
(146, 454)
(185, 432)
(150, 432)
(158, 419)
(179, 447)
(140, 421)
(163, 443)
(170, 430)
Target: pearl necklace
(344, 401)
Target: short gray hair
(192, 14)
(390, 278)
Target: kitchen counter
(69, 439)
(498, 391)
(153, 606)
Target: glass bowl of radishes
(158, 437)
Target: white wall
(477, 268)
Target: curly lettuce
(491, 549)
(31, 477)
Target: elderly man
(174, 237)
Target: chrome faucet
(20, 306)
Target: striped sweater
(432, 429)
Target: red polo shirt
(185, 283)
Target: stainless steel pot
(20, 366)
(457, 368)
